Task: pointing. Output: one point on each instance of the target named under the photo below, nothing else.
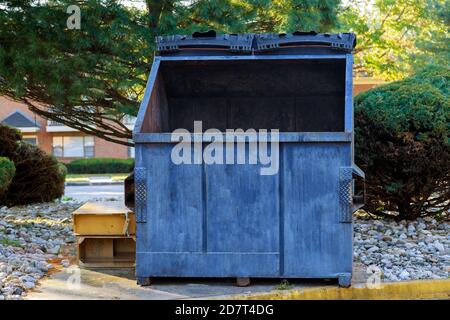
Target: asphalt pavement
(95, 192)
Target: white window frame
(130, 150)
(31, 137)
(86, 153)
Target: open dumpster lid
(298, 82)
(211, 43)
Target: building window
(129, 120)
(88, 147)
(58, 147)
(30, 139)
(73, 146)
(130, 150)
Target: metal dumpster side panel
(182, 238)
(227, 220)
(315, 241)
(211, 264)
(174, 203)
(244, 206)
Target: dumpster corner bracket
(140, 176)
(345, 194)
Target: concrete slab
(120, 284)
(74, 283)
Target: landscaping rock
(439, 246)
(65, 263)
(29, 237)
(404, 250)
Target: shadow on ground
(74, 283)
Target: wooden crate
(106, 252)
(104, 219)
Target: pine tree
(90, 78)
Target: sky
(134, 3)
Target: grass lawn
(85, 177)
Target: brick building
(68, 144)
(364, 84)
(64, 142)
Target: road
(86, 193)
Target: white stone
(404, 275)
(28, 285)
(405, 251)
(439, 246)
(421, 226)
(54, 250)
(65, 263)
(387, 263)
(373, 249)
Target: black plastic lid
(210, 43)
(344, 42)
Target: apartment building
(62, 141)
(364, 84)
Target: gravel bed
(404, 250)
(32, 238)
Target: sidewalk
(120, 284)
(75, 283)
(94, 181)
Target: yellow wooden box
(106, 251)
(109, 218)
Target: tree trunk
(154, 8)
(404, 210)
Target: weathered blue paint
(283, 137)
(254, 57)
(146, 99)
(230, 221)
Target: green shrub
(9, 139)
(38, 178)
(62, 170)
(100, 165)
(7, 171)
(402, 141)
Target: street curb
(94, 183)
(404, 290)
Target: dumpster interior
(289, 95)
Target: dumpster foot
(144, 281)
(345, 279)
(243, 282)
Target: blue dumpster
(280, 202)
